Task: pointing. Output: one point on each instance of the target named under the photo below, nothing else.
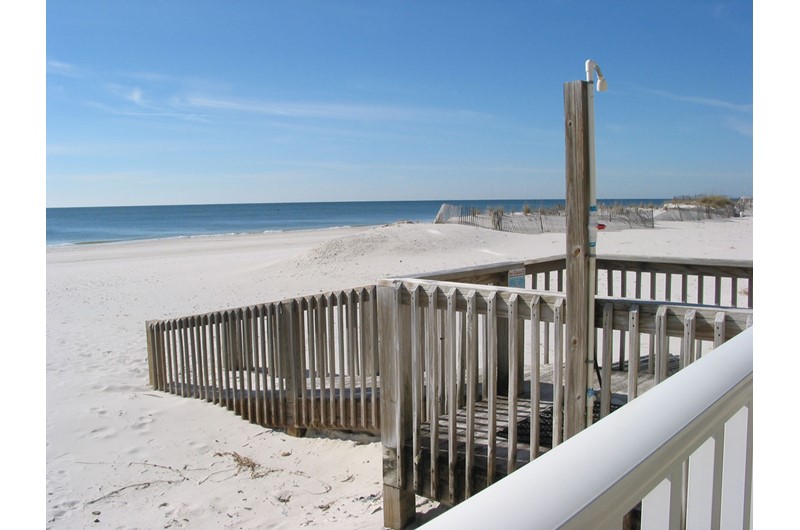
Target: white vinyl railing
(682, 452)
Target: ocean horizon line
(440, 201)
(107, 224)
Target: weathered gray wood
(316, 362)
(216, 359)
(433, 384)
(177, 356)
(241, 336)
(608, 345)
(719, 329)
(483, 353)
(233, 363)
(329, 317)
(321, 357)
(352, 342)
(275, 410)
(233, 358)
(205, 338)
(154, 355)
(241, 348)
(184, 354)
(688, 342)
(417, 386)
(535, 378)
(281, 375)
(452, 397)
(472, 390)
(374, 355)
(441, 356)
(260, 356)
(577, 132)
(634, 352)
(225, 361)
(247, 403)
(340, 350)
(166, 363)
(395, 367)
(486, 273)
(492, 326)
(301, 356)
(546, 341)
(361, 358)
(298, 367)
(514, 371)
(194, 351)
(248, 363)
(662, 341)
(160, 337)
(736, 319)
(151, 354)
(558, 375)
(156, 328)
(261, 373)
(242, 367)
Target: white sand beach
(121, 455)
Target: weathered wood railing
(695, 281)
(688, 465)
(713, 282)
(295, 364)
(463, 363)
(450, 366)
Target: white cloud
(135, 95)
(326, 110)
(740, 126)
(708, 102)
(61, 68)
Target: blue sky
(216, 102)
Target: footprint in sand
(102, 433)
(142, 423)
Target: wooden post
(576, 116)
(396, 415)
(151, 356)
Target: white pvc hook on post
(602, 86)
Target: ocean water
(71, 226)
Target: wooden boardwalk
(443, 370)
